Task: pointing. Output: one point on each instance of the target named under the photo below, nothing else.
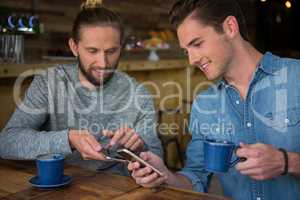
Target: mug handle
(239, 159)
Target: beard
(88, 73)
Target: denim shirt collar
(266, 64)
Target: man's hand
(145, 176)
(86, 144)
(263, 161)
(125, 137)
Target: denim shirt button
(286, 120)
(237, 102)
(249, 124)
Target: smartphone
(132, 156)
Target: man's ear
(231, 27)
(73, 47)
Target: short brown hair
(97, 16)
(209, 12)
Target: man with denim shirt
(256, 105)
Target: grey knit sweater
(56, 102)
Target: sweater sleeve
(22, 138)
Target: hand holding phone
(128, 155)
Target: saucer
(34, 181)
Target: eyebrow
(193, 41)
(91, 48)
(113, 48)
(94, 48)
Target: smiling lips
(98, 72)
(204, 63)
(101, 72)
(204, 66)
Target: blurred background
(45, 25)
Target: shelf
(14, 70)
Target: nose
(102, 60)
(192, 57)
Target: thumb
(243, 145)
(107, 133)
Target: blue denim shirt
(270, 114)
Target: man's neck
(243, 67)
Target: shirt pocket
(284, 129)
(284, 119)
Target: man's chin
(211, 77)
(102, 80)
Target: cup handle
(239, 159)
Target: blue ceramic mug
(218, 155)
(50, 168)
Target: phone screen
(131, 156)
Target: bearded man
(76, 109)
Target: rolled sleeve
(196, 182)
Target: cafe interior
(34, 35)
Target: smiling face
(98, 51)
(206, 48)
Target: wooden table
(86, 185)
